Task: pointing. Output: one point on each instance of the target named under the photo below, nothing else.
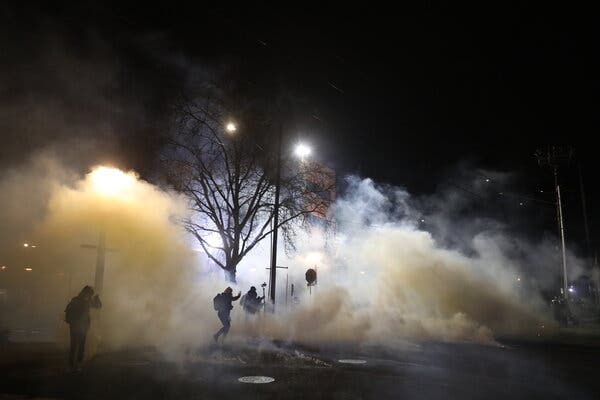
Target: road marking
(256, 379)
(351, 361)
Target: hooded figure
(222, 303)
(77, 315)
(251, 302)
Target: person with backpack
(251, 302)
(77, 315)
(222, 304)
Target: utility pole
(100, 260)
(552, 157)
(562, 235)
(273, 275)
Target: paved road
(426, 371)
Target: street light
(230, 127)
(108, 181)
(302, 151)
(113, 183)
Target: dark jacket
(77, 312)
(252, 302)
(227, 299)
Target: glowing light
(230, 127)
(487, 179)
(314, 257)
(25, 244)
(3, 267)
(302, 151)
(109, 181)
(28, 269)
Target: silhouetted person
(251, 302)
(77, 315)
(222, 304)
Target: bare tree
(228, 178)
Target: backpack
(218, 302)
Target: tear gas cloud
(382, 279)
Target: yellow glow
(25, 244)
(28, 269)
(3, 267)
(230, 127)
(109, 181)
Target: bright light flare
(28, 269)
(231, 127)
(302, 151)
(314, 257)
(109, 181)
(25, 244)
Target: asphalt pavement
(411, 371)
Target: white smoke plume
(382, 279)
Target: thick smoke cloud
(383, 278)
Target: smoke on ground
(381, 277)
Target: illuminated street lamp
(108, 181)
(302, 151)
(231, 127)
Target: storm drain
(256, 379)
(351, 361)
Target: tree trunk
(230, 275)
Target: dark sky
(402, 95)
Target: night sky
(403, 95)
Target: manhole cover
(351, 361)
(256, 379)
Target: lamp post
(301, 151)
(273, 276)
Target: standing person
(77, 315)
(251, 302)
(222, 304)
